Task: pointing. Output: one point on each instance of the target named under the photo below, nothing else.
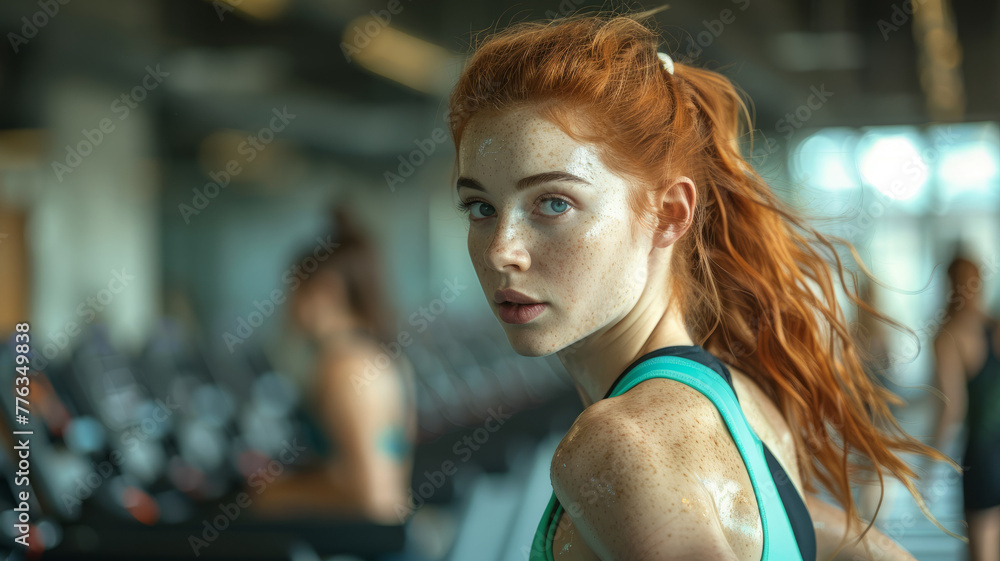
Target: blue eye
(466, 207)
(557, 205)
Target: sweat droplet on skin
(583, 162)
(728, 497)
(484, 147)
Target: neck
(337, 328)
(969, 313)
(595, 362)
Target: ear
(675, 210)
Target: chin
(527, 343)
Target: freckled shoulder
(629, 471)
(655, 412)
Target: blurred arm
(356, 408)
(361, 479)
(949, 378)
(830, 522)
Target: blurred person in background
(360, 401)
(614, 221)
(967, 372)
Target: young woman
(967, 357)
(614, 222)
(361, 406)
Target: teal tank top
(779, 538)
(391, 440)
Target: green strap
(779, 538)
(541, 545)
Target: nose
(507, 249)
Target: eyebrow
(526, 182)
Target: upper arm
(830, 521)
(949, 372)
(636, 497)
(355, 408)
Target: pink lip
(512, 296)
(520, 313)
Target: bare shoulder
(652, 421)
(635, 473)
(360, 368)
(659, 407)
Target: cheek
(597, 260)
(477, 243)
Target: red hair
(754, 281)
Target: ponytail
(761, 293)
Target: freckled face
(567, 244)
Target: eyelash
(466, 206)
